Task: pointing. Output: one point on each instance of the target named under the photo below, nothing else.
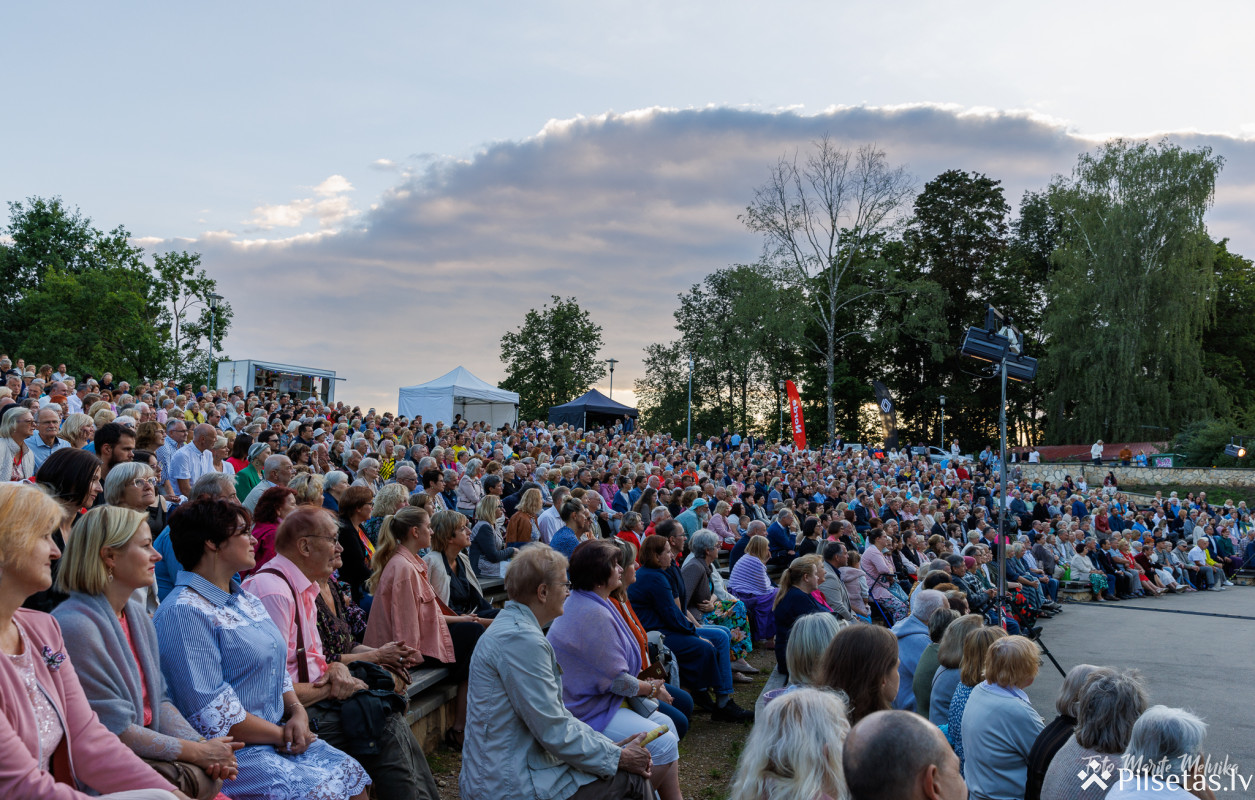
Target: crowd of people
(240, 585)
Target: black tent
(590, 409)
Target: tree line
(91, 299)
(1136, 314)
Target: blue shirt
(42, 451)
(564, 541)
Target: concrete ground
(1191, 660)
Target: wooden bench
(1076, 591)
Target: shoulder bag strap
(302, 666)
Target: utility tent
(590, 408)
(459, 392)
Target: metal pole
(780, 405)
(1002, 498)
(209, 370)
(943, 422)
(612, 362)
(689, 437)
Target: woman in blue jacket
(701, 666)
(794, 600)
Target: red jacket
(96, 757)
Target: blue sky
(454, 164)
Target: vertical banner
(795, 414)
(888, 414)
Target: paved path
(1201, 659)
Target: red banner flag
(795, 413)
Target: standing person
(1000, 723)
(1095, 453)
(522, 742)
(42, 706)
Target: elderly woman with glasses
(225, 662)
(601, 661)
(17, 461)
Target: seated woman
(449, 567)
(600, 662)
(72, 477)
(225, 664)
(523, 527)
(160, 507)
(42, 709)
(489, 554)
(795, 750)
(749, 582)
(701, 666)
(881, 574)
(794, 600)
(1060, 730)
(949, 661)
(808, 641)
(1106, 711)
(971, 673)
(356, 506)
(407, 609)
(1000, 723)
(387, 500)
(110, 635)
(680, 707)
(862, 663)
(274, 504)
(700, 601)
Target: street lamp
(943, 421)
(780, 405)
(612, 362)
(213, 307)
(689, 436)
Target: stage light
(1235, 450)
(983, 345)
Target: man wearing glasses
(44, 441)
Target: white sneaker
(1228, 582)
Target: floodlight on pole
(943, 421)
(1237, 450)
(689, 435)
(780, 405)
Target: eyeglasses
(567, 584)
(140, 483)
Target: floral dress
(223, 658)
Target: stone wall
(1140, 476)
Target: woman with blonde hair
(387, 501)
(794, 600)
(794, 750)
(308, 488)
(40, 693)
(407, 609)
(17, 461)
(106, 561)
(1000, 723)
(749, 582)
(523, 527)
(971, 673)
(489, 554)
(103, 417)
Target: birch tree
(816, 216)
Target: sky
(385, 189)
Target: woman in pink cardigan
(406, 608)
(53, 744)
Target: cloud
(623, 211)
(385, 164)
(332, 209)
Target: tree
(1131, 293)
(1229, 342)
(78, 295)
(815, 219)
(552, 357)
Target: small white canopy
(459, 392)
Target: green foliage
(552, 357)
(1131, 293)
(1229, 343)
(1202, 443)
(78, 295)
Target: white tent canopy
(459, 392)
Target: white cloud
(332, 209)
(385, 164)
(623, 211)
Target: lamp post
(943, 421)
(689, 435)
(213, 307)
(780, 405)
(612, 362)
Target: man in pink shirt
(307, 551)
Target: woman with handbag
(680, 706)
(600, 661)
